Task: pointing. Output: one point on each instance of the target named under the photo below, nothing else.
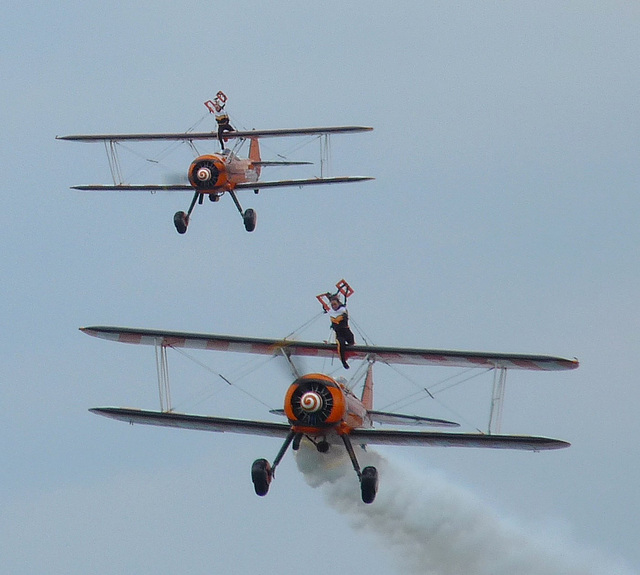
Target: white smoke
(437, 528)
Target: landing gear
(181, 219)
(369, 484)
(181, 222)
(262, 472)
(249, 216)
(368, 476)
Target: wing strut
(162, 365)
(111, 147)
(497, 399)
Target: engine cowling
(315, 401)
(207, 174)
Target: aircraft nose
(311, 402)
(203, 174)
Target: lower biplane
(215, 174)
(324, 409)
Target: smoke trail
(437, 528)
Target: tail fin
(367, 392)
(254, 154)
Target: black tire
(322, 446)
(250, 217)
(369, 484)
(261, 476)
(181, 222)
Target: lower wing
(241, 186)
(199, 422)
(362, 436)
(443, 439)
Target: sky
(503, 217)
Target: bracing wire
(296, 332)
(429, 392)
(231, 381)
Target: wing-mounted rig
(218, 173)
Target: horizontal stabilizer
(281, 163)
(400, 419)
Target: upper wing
(188, 136)
(200, 422)
(443, 439)
(409, 356)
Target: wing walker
(325, 410)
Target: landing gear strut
(368, 476)
(262, 472)
(181, 219)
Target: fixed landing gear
(368, 476)
(181, 219)
(369, 484)
(262, 472)
(261, 475)
(181, 222)
(249, 217)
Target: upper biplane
(325, 410)
(215, 174)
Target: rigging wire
(231, 381)
(424, 390)
(296, 332)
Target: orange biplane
(325, 410)
(215, 174)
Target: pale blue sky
(504, 216)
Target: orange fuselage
(219, 173)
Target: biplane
(325, 410)
(219, 173)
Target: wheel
(322, 446)
(261, 476)
(249, 218)
(181, 221)
(369, 484)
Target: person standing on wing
(340, 324)
(222, 119)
